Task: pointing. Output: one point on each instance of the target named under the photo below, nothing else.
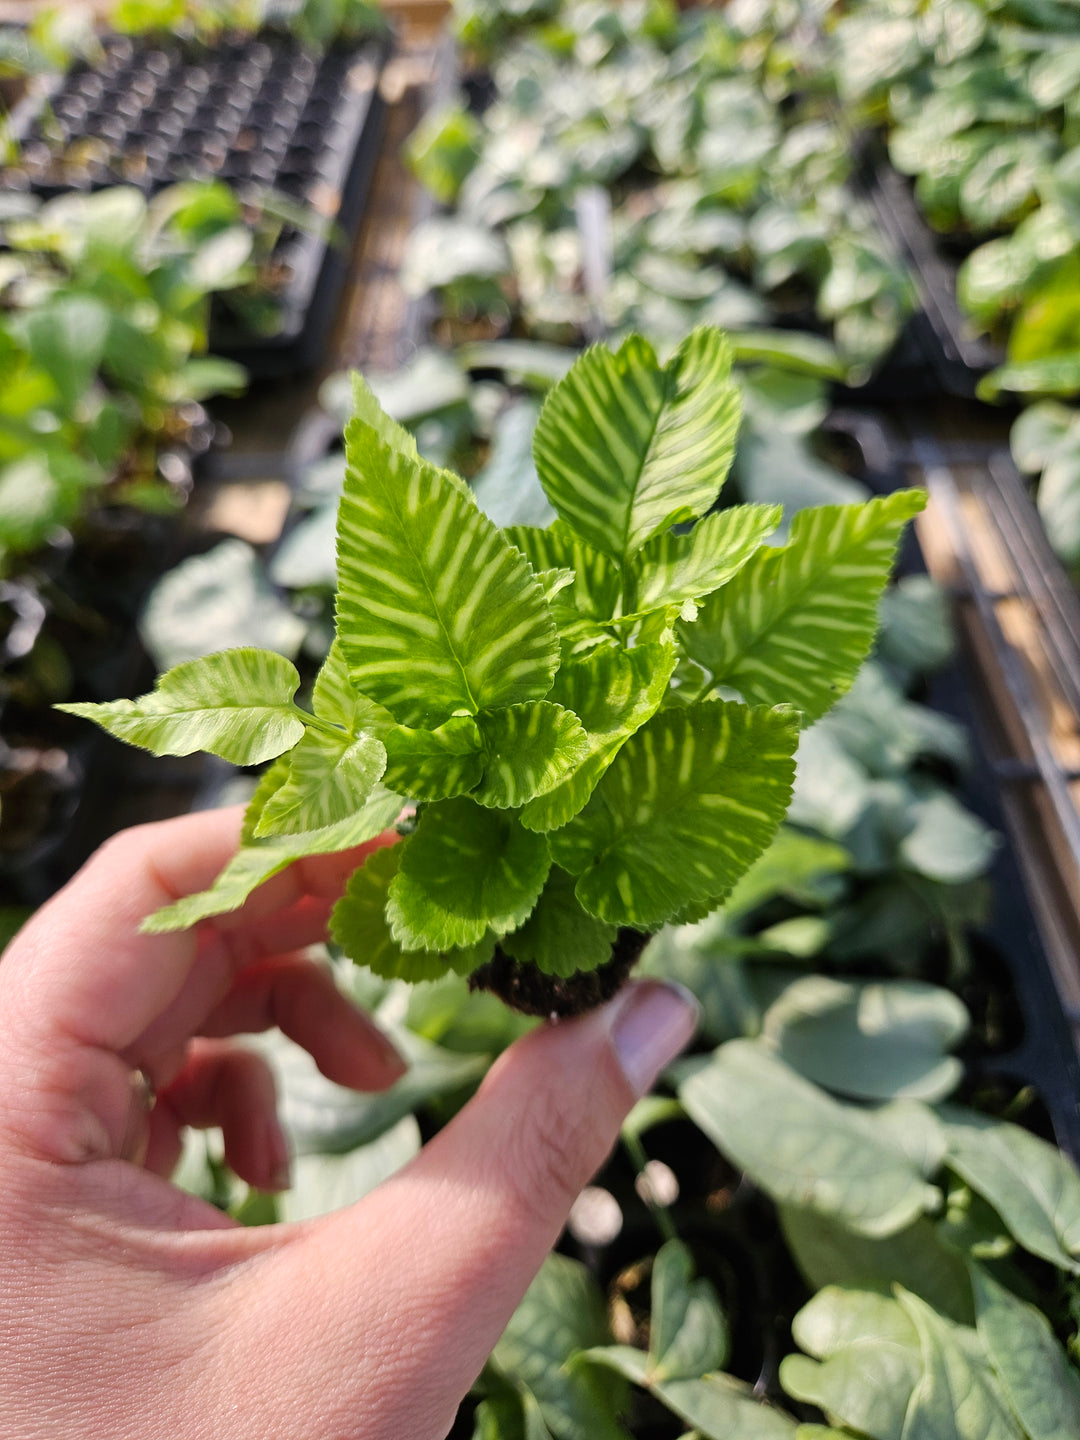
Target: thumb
(421, 1277)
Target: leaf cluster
(596, 720)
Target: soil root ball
(525, 987)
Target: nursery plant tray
(264, 114)
(958, 356)
(1020, 627)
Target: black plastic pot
(263, 114)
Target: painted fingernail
(656, 1022)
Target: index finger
(81, 971)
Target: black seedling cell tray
(264, 114)
(957, 356)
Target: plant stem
(313, 722)
(659, 1212)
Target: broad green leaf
(336, 699)
(719, 1407)
(829, 1253)
(528, 750)
(1032, 1185)
(801, 867)
(330, 777)
(322, 1184)
(559, 936)
(562, 1313)
(322, 1118)
(1049, 375)
(66, 336)
(368, 410)
(437, 613)
(257, 861)
(625, 448)
(689, 802)
(806, 1149)
(1041, 1383)
(687, 1333)
(465, 870)
(870, 1039)
(795, 623)
(868, 1360)
(671, 568)
(435, 764)
(793, 350)
(507, 488)
(359, 925)
(957, 1396)
(237, 704)
(613, 692)
(1058, 501)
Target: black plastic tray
(264, 114)
(957, 357)
(1046, 1056)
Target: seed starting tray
(264, 114)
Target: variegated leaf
(330, 777)
(360, 927)
(437, 613)
(336, 698)
(257, 861)
(237, 704)
(597, 585)
(528, 750)
(465, 870)
(672, 568)
(795, 623)
(435, 764)
(690, 801)
(625, 447)
(613, 692)
(559, 937)
(368, 409)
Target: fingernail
(656, 1022)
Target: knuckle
(557, 1150)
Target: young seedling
(595, 722)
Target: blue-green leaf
(625, 447)
(613, 692)
(691, 800)
(528, 750)
(435, 764)
(795, 623)
(236, 703)
(360, 927)
(559, 937)
(437, 612)
(330, 777)
(465, 870)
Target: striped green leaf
(330, 777)
(795, 624)
(613, 692)
(435, 764)
(528, 750)
(596, 590)
(336, 698)
(672, 568)
(559, 936)
(625, 447)
(237, 704)
(690, 801)
(465, 870)
(437, 613)
(258, 860)
(367, 409)
(360, 927)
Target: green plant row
(726, 180)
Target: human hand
(130, 1311)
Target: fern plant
(596, 723)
